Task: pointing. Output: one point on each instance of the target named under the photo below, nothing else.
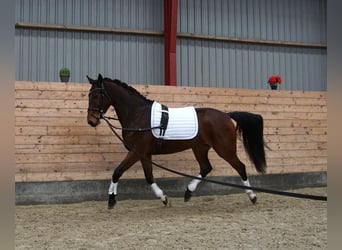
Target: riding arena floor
(205, 222)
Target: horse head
(99, 101)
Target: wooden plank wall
(53, 141)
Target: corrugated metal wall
(224, 64)
(200, 62)
(132, 58)
(206, 62)
(130, 14)
(285, 20)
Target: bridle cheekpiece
(103, 95)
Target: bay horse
(216, 129)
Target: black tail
(251, 126)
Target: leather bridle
(103, 96)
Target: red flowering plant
(274, 80)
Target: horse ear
(91, 81)
(99, 78)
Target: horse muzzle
(93, 120)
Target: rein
(264, 190)
(102, 116)
(106, 118)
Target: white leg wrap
(250, 193)
(193, 184)
(113, 188)
(157, 191)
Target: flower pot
(274, 86)
(64, 78)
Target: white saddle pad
(182, 125)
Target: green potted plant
(64, 74)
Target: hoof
(166, 202)
(111, 201)
(187, 195)
(254, 200)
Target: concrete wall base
(77, 191)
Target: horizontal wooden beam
(25, 25)
(251, 41)
(87, 29)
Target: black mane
(129, 88)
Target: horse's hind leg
(233, 160)
(241, 169)
(201, 154)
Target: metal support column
(170, 41)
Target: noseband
(103, 95)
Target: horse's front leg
(129, 160)
(147, 166)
